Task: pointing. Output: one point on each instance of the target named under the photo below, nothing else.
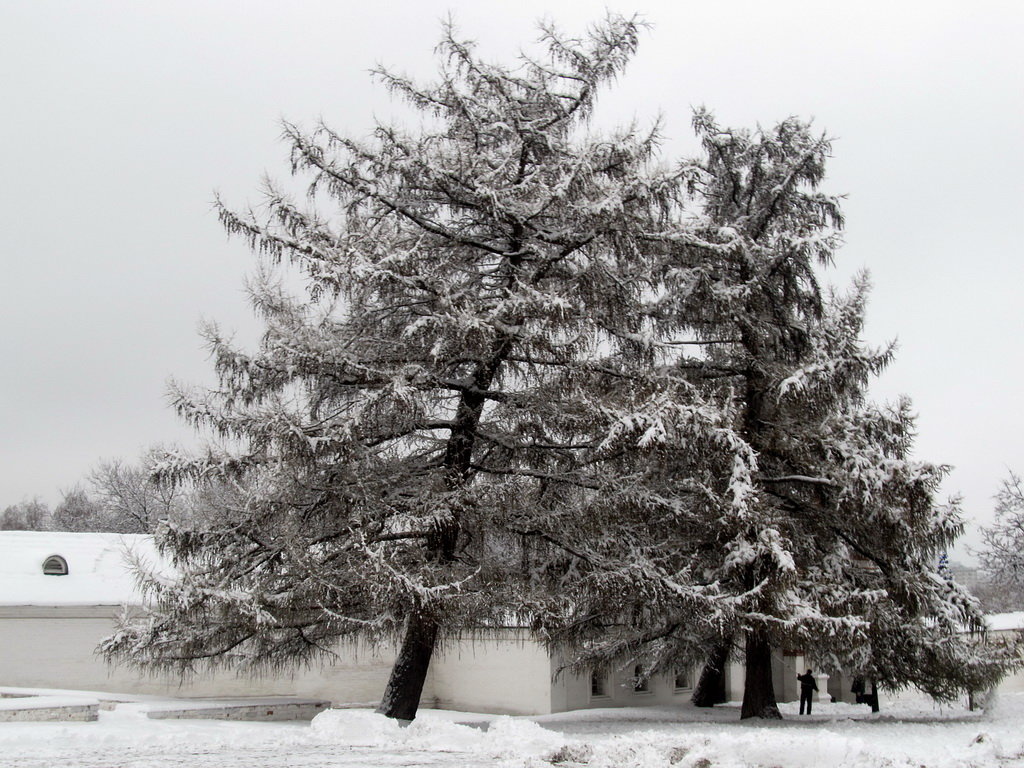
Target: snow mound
(364, 728)
(358, 727)
(818, 748)
(500, 737)
(508, 736)
(739, 748)
(443, 735)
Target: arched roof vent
(55, 565)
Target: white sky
(121, 119)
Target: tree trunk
(710, 688)
(401, 697)
(874, 696)
(758, 692)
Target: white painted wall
(735, 676)
(574, 691)
(503, 673)
(507, 672)
(1014, 682)
(55, 648)
(787, 687)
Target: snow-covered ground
(911, 733)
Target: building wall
(571, 691)
(503, 673)
(785, 668)
(839, 687)
(1013, 682)
(55, 648)
(779, 676)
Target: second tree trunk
(758, 691)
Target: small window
(55, 565)
(683, 682)
(598, 684)
(640, 683)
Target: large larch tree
(778, 504)
(438, 370)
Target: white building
(1007, 624)
(60, 594)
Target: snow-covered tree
(78, 512)
(27, 515)
(710, 688)
(130, 501)
(1002, 553)
(120, 497)
(535, 375)
(777, 503)
(441, 372)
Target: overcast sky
(121, 119)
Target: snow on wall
(1003, 622)
(98, 573)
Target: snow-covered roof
(1004, 621)
(98, 569)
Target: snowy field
(912, 734)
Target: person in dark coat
(857, 689)
(807, 688)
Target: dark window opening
(683, 679)
(640, 683)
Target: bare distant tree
(78, 512)
(130, 500)
(1002, 556)
(27, 515)
(998, 597)
(120, 497)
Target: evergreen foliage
(776, 500)
(538, 376)
(440, 370)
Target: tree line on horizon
(115, 497)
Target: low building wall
(505, 672)
(1009, 626)
(49, 708)
(501, 672)
(265, 710)
(617, 688)
(47, 647)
